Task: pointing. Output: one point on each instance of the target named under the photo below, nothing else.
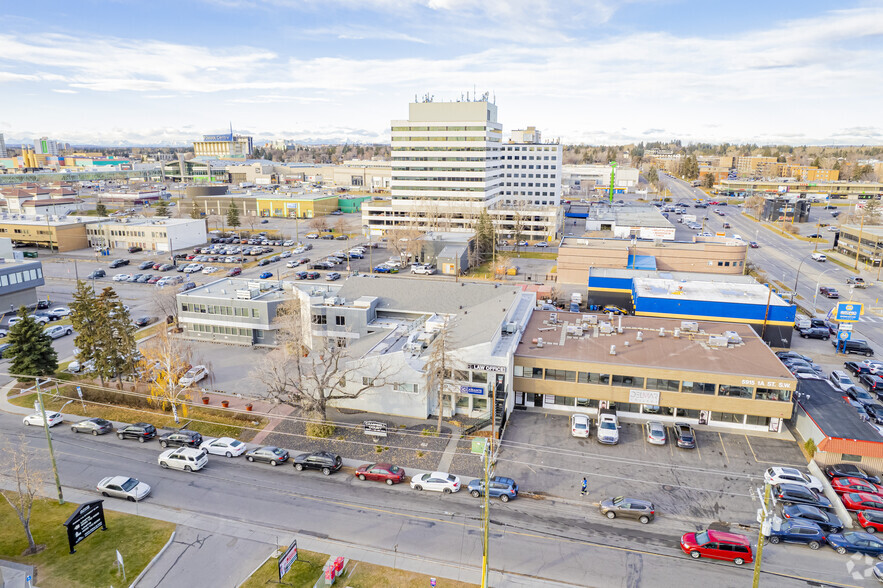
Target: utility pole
(49, 441)
(766, 505)
(486, 515)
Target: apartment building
(756, 165)
(2, 146)
(532, 169)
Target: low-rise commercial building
(19, 281)
(150, 234)
(816, 190)
(865, 240)
(628, 222)
(584, 179)
(64, 233)
(652, 368)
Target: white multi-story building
(531, 169)
(150, 234)
(2, 146)
(45, 146)
(226, 146)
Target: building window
(366, 381)
(737, 391)
(463, 402)
(340, 321)
(727, 417)
(757, 420)
(848, 457)
(661, 384)
(698, 388)
(479, 404)
(320, 319)
(591, 378)
(480, 377)
(630, 381)
(255, 313)
(773, 394)
(561, 375)
(531, 372)
(462, 375)
(409, 388)
(564, 400)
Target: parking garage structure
(649, 368)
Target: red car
(870, 520)
(862, 501)
(234, 272)
(849, 485)
(717, 545)
(381, 472)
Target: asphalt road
(561, 542)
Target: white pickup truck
(426, 270)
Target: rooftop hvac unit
(246, 294)
(553, 317)
(539, 342)
(575, 330)
(677, 333)
(662, 332)
(591, 319)
(253, 285)
(690, 326)
(640, 336)
(510, 328)
(606, 328)
(718, 341)
(613, 350)
(733, 337)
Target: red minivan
(717, 545)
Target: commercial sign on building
(217, 137)
(848, 311)
(471, 390)
(288, 559)
(375, 428)
(487, 368)
(644, 397)
(87, 519)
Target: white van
(188, 459)
(819, 256)
(802, 322)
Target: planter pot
(205, 399)
(225, 403)
(248, 407)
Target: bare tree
(165, 303)
(755, 203)
(166, 359)
(439, 369)
(319, 223)
(343, 226)
(18, 463)
(312, 376)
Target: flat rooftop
(689, 352)
(630, 215)
(832, 414)
(689, 289)
(607, 243)
(135, 221)
(866, 230)
(611, 272)
(226, 288)
(50, 219)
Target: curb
(151, 562)
(273, 553)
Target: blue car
(796, 531)
(500, 487)
(856, 541)
(828, 521)
(266, 275)
(381, 269)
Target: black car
(264, 262)
(860, 395)
(143, 321)
(857, 368)
(271, 455)
(872, 382)
(816, 333)
(146, 265)
(785, 355)
(622, 506)
(181, 438)
(875, 412)
(42, 304)
(95, 425)
(99, 273)
(848, 470)
(118, 263)
(789, 494)
(859, 346)
(685, 436)
(134, 249)
(829, 292)
(828, 521)
(140, 431)
(318, 460)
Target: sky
(129, 72)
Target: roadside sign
(848, 311)
(844, 335)
(87, 519)
(845, 327)
(80, 392)
(478, 445)
(432, 582)
(288, 559)
(375, 428)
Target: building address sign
(486, 368)
(766, 384)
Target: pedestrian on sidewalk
(585, 487)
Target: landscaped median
(138, 540)
(308, 569)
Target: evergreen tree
(484, 235)
(653, 175)
(30, 348)
(115, 336)
(708, 180)
(817, 163)
(233, 215)
(85, 319)
(100, 209)
(162, 209)
(194, 210)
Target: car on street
(717, 545)
(685, 436)
(332, 276)
(325, 461)
(60, 312)
(828, 521)
(819, 256)
(265, 275)
(437, 482)
(778, 475)
(381, 472)
(59, 331)
(816, 333)
(181, 438)
(96, 274)
(608, 427)
(123, 487)
(849, 485)
(95, 426)
(856, 542)
(36, 419)
(848, 470)
(143, 321)
(226, 446)
(862, 501)
(795, 531)
(188, 459)
(234, 272)
(870, 520)
(268, 454)
(788, 493)
(140, 431)
(500, 487)
(193, 375)
(580, 425)
(856, 281)
(829, 292)
(656, 433)
(753, 244)
(622, 506)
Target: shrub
(810, 447)
(319, 429)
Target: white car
(40, 319)
(777, 475)
(292, 263)
(819, 256)
(608, 429)
(580, 425)
(226, 446)
(655, 433)
(188, 459)
(123, 487)
(436, 481)
(59, 331)
(121, 277)
(36, 419)
(209, 270)
(193, 375)
(60, 311)
(426, 270)
(192, 269)
(285, 254)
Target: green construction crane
(612, 179)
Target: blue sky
(592, 71)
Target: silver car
(59, 331)
(123, 487)
(655, 433)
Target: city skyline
(598, 72)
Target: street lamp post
(794, 289)
(816, 295)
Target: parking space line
(724, 446)
(696, 443)
(644, 429)
(752, 449)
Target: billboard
(228, 137)
(848, 311)
(287, 559)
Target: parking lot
(714, 482)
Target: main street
(556, 540)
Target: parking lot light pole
(797, 277)
(765, 507)
(816, 295)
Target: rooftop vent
(613, 350)
(690, 326)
